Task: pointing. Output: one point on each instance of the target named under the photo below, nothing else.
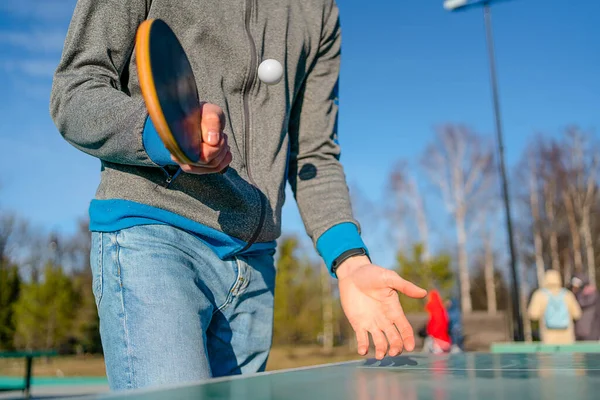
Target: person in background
(455, 327)
(438, 340)
(555, 308)
(588, 326)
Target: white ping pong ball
(270, 71)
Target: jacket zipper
(249, 83)
(170, 177)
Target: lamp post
(456, 5)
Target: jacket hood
(552, 280)
(580, 280)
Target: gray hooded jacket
(97, 106)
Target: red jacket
(437, 327)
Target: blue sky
(406, 67)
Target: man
(556, 309)
(588, 326)
(182, 255)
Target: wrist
(351, 264)
(338, 243)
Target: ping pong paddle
(169, 89)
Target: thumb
(405, 287)
(211, 123)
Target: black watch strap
(346, 255)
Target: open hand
(215, 154)
(369, 297)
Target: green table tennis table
(408, 377)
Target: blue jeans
(172, 312)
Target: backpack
(556, 315)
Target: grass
(56, 366)
(93, 366)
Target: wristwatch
(346, 255)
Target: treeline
(450, 194)
(560, 203)
(46, 298)
(443, 215)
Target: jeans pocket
(96, 265)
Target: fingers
(362, 340)
(394, 311)
(381, 344)
(379, 340)
(396, 316)
(403, 286)
(215, 143)
(213, 159)
(211, 156)
(384, 339)
(393, 336)
(394, 339)
(212, 123)
(223, 165)
(215, 154)
(194, 169)
(389, 336)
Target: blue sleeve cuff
(338, 239)
(154, 146)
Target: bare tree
(562, 200)
(35, 250)
(490, 284)
(78, 247)
(483, 226)
(372, 219)
(568, 270)
(586, 227)
(535, 212)
(409, 201)
(22, 244)
(539, 196)
(559, 218)
(580, 194)
(585, 199)
(461, 165)
(549, 194)
(548, 157)
(574, 227)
